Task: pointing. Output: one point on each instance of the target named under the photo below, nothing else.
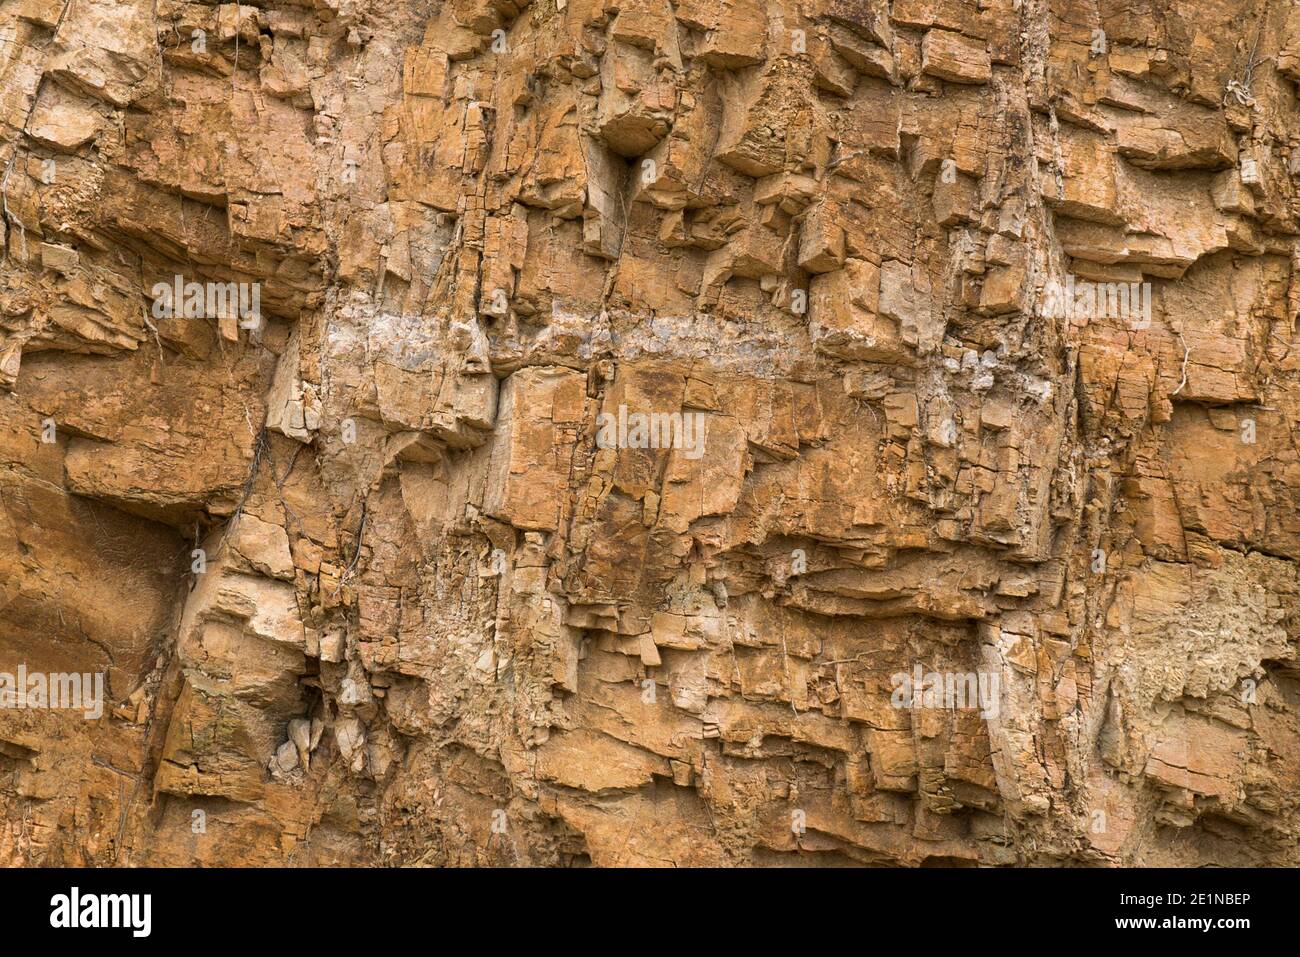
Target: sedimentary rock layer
(650, 432)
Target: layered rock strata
(563, 432)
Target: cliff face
(693, 432)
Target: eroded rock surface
(985, 313)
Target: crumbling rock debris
(643, 396)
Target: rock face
(635, 432)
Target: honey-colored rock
(665, 432)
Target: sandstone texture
(985, 311)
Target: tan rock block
(956, 58)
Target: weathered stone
(956, 58)
(632, 424)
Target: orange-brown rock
(650, 432)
